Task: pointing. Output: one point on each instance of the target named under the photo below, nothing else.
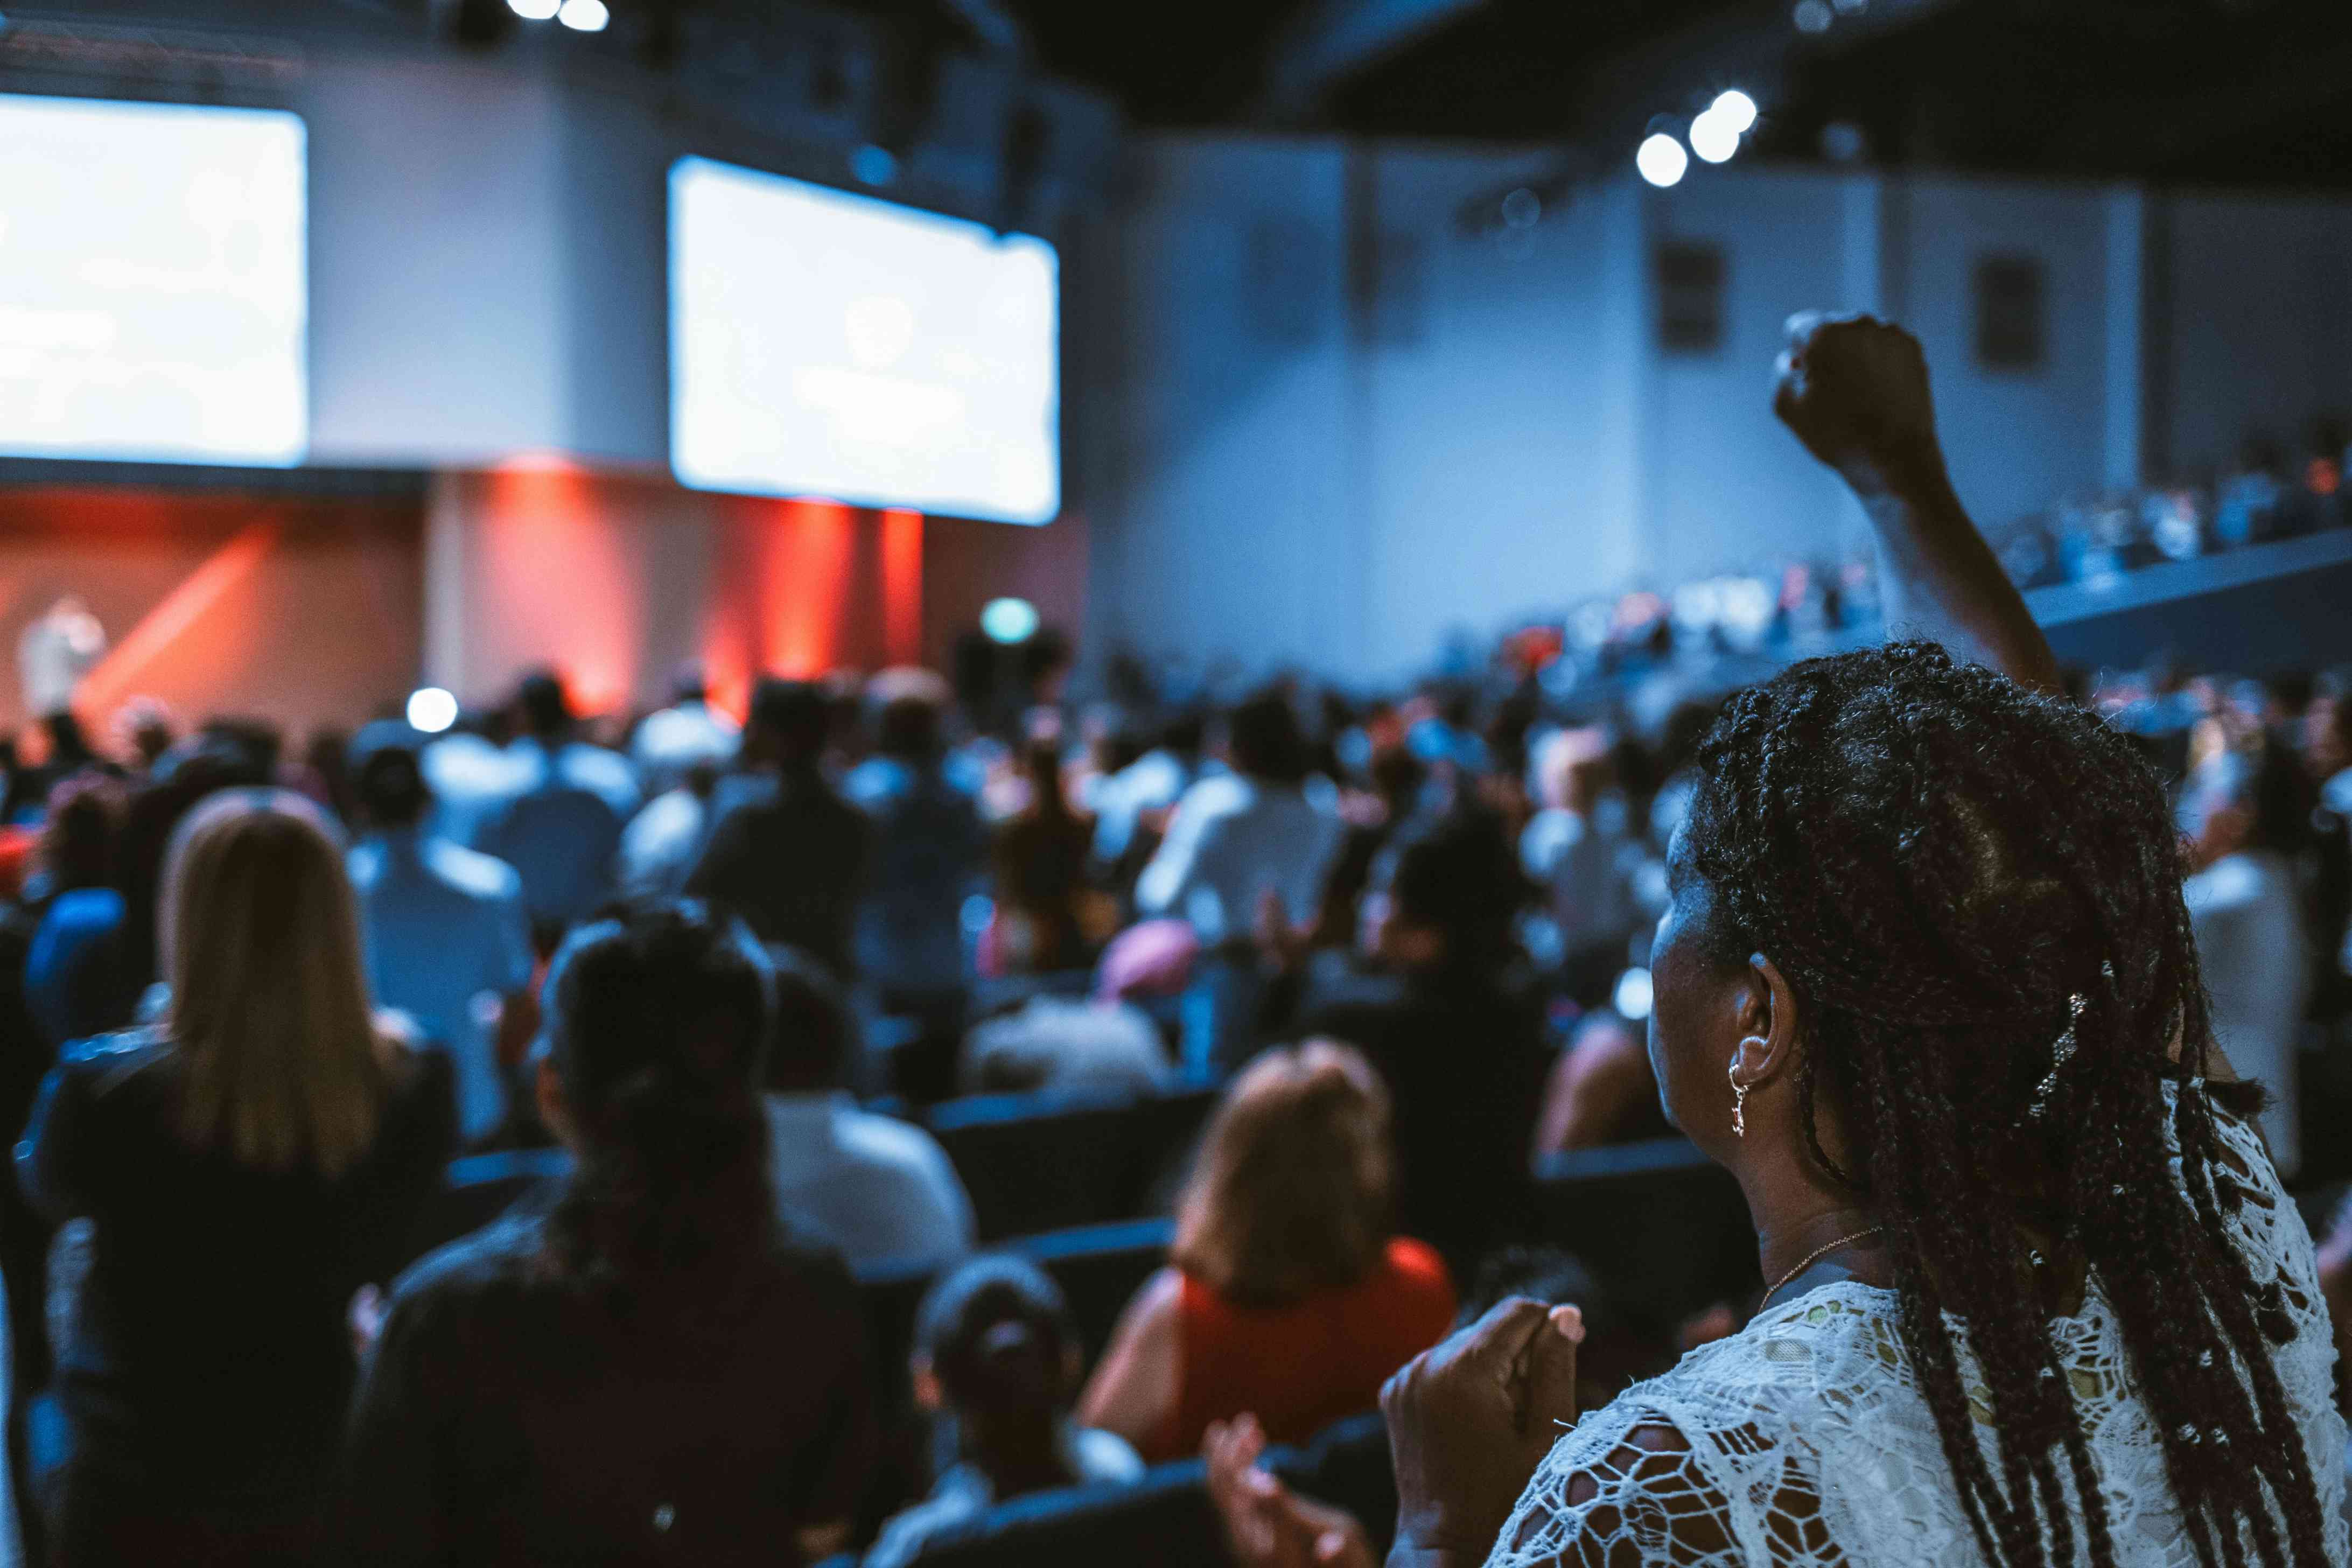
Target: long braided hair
(1940, 862)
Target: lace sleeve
(1626, 1488)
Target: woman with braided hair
(1927, 987)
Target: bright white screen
(153, 286)
(828, 344)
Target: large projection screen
(829, 344)
(153, 289)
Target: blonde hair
(281, 1063)
(1293, 1188)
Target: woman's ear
(1768, 1023)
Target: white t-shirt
(879, 1189)
(1230, 840)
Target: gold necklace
(1815, 1257)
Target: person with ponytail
(246, 1165)
(997, 1363)
(644, 1368)
(1927, 986)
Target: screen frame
(101, 95)
(684, 165)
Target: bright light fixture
(1009, 621)
(535, 10)
(1634, 995)
(431, 709)
(584, 16)
(1661, 160)
(1713, 139)
(1736, 109)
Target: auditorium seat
(1166, 1521)
(1099, 1268)
(1663, 1228)
(1058, 1158)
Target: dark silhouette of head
(792, 720)
(909, 713)
(658, 1018)
(814, 1031)
(390, 787)
(544, 706)
(1264, 741)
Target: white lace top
(1807, 1443)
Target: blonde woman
(247, 1163)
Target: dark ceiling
(2240, 91)
(2220, 91)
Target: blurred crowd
(948, 894)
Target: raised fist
(1855, 391)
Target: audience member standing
(446, 937)
(789, 862)
(2243, 819)
(1234, 838)
(1128, 801)
(561, 829)
(877, 1188)
(1455, 1035)
(688, 734)
(929, 848)
(646, 1371)
(1237, 835)
(76, 974)
(63, 960)
(1046, 919)
(1578, 848)
(661, 843)
(1289, 1294)
(246, 1165)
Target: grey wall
(1307, 467)
(1288, 455)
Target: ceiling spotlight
(1734, 109)
(431, 709)
(584, 16)
(1713, 139)
(1661, 160)
(535, 10)
(1813, 16)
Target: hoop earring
(1738, 1102)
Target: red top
(1301, 1367)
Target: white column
(445, 583)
